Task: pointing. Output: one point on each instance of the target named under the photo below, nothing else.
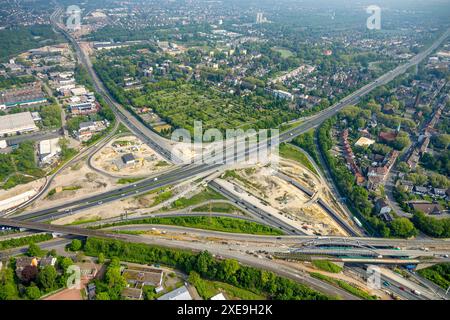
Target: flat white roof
(47, 146)
(181, 293)
(17, 122)
(218, 296)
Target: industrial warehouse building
(17, 123)
(28, 95)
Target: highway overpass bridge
(331, 246)
(194, 171)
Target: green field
(128, 180)
(221, 207)
(290, 152)
(327, 266)
(344, 285)
(285, 53)
(207, 194)
(223, 224)
(84, 221)
(19, 166)
(67, 188)
(182, 103)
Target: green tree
(34, 250)
(8, 287)
(204, 262)
(64, 263)
(51, 116)
(230, 267)
(8, 291)
(47, 278)
(149, 292)
(102, 296)
(76, 245)
(441, 141)
(101, 258)
(402, 227)
(401, 141)
(194, 278)
(439, 181)
(33, 292)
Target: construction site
(128, 156)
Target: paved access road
(196, 170)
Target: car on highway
(156, 179)
(100, 202)
(417, 293)
(386, 283)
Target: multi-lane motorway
(196, 170)
(155, 141)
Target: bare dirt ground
(109, 158)
(17, 190)
(75, 182)
(311, 181)
(286, 198)
(133, 206)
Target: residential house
(426, 207)
(420, 190)
(140, 278)
(440, 193)
(382, 207)
(132, 293)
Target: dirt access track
(146, 161)
(284, 198)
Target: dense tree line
(439, 274)
(7, 83)
(23, 241)
(15, 165)
(18, 39)
(306, 142)
(228, 271)
(439, 228)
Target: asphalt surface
(256, 211)
(132, 190)
(284, 137)
(429, 246)
(149, 137)
(36, 136)
(334, 215)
